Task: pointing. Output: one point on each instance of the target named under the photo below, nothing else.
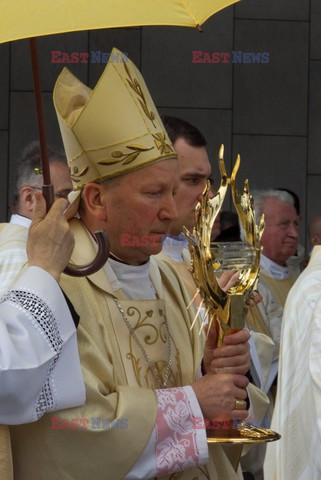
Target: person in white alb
(297, 409)
(13, 235)
(39, 361)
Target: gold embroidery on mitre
(75, 174)
(97, 147)
(135, 85)
(125, 158)
(161, 143)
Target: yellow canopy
(32, 18)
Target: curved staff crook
(47, 189)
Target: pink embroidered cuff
(179, 445)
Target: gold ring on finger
(240, 404)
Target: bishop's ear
(93, 202)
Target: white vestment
(297, 413)
(39, 361)
(13, 255)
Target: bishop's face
(140, 211)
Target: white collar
(134, 280)
(16, 219)
(272, 269)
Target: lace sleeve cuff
(39, 342)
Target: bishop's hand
(233, 357)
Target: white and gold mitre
(112, 129)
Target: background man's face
(194, 169)
(60, 179)
(280, 237)
(140, 210)
(315, 235)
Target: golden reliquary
(226, 310)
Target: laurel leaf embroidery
(125, 158)
(108, 162)
(135, 85)
(127, 71)
(138, 147)
(132, 85)
(117, 154)
(143, 106)
(130, 158)
(81, 173)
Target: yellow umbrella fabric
(32, 18)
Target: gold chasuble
(266, 317)
(181, 269)
(279, 287)
(104, 438)
(256, 321)
(6, 472)
(274, 292)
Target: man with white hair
(279, 241)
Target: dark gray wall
(269, 113)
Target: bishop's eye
(193, 181)
(153, 194)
